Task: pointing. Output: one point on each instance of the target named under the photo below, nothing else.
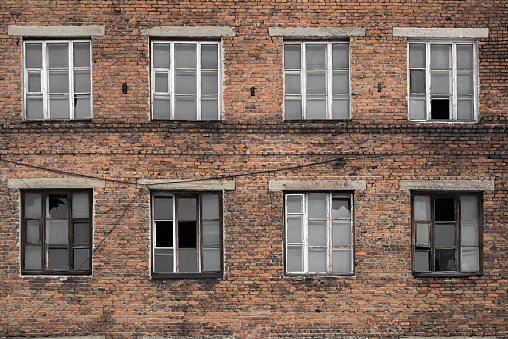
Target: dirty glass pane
(56, 232)
(81, 54)
(161, 55)
(186, 108)
(294, 203)
(340, 56)
(444, 235)
(82, 107)
(294, 229)
(32, 231)
(416, 55)
(59, 107)
(470, 259)
(59, 81)
(341, 233)
(292, 83)
(58, 55)
(80, 208)
(161, 82)
(294, 259)
(57, 206)
(440, 82)
(33, 258)
(163, 208)
(464, 56)
(341, 261)
(417, 81)
(340, 109)
(32, 205)
(164, 234)
(210, 109)
(81, 261)
(422, 235)
(58, 259)
(209, 83)
(465, 109)
(187, 260)
(211, 259)
(318, 233)
(445, 260)
(469, 207)
(422, 262)
(316, 108)
(465, 83)
(209, 56)
(34, 109)
(161, 107)
(81, 233)
(34, 81)
(317, 206)
(340, 208)
(185, 55)
(33, 53)
(469, 233)
(292, 56)
(440, 56)
(211, 233)
(185, 82)
(417, 110)
(315, 56)
(293, 109)
(316, 82)
(340, 83)
(210, 206)
(163, 261)
(421, 207)
(317, 259)
(186, 208)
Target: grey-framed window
(319, 237)
(316, 81)
(186, 80)
(186, 234)
(56, 231)
(446, 233)
(57, 80)
(443, 81)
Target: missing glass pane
(440, 109)
(444, 209)
(164, 234)
(187, 234)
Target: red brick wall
(255, 299)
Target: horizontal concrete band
(417, 32)
(447, 185)
(316, 32)
(42, 183)
(56, 31)
(73, 337)
(189, 31)
(191, 185)
(316, 185)
(456, 337)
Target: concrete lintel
(71, 337)
(43, 183)
(436, 33)
(189, 31)
(447, 185)
(316, 185)
(191, 185)
(316, 32)
(56, 31)
(456, 337)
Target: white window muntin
(163, 250)
(73, 96)
(453, 80)
(305, 243)
(170, 71)
(303, 96)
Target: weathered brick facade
(253, 145)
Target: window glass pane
(292, 55)
(316, 108)
(315, 56)
(163, 261)
(465, 83)
(59, 81)
(340, 109)
(340, 208)
(341, 233)
(58, 55)
(211, 260)
(294, 204)
(59, 107)
(82, 81)
(33, 258)
(185, 82)
(421, 207)
(33, 53)
(209, 83)
(185, 55)
(465, 109)
(444, 209)
(187, 208)
(469, 207)
(82, 107)
(417, 81)
(161, 106)
(163, 208)
(57, 206)
(57, 232)
(187, 237)
(316, 83)
(210, 109)
(81, 54)
(32, 231)
(317, 206)
(445, 260)
(440, 82)
(440, 56)
(341, 261)
(210, 206)
(161, 82)
(416, 55)
(318, 234)
(292, 83)
(81, 233)
(469, 233)
(317, 260)
(34, 81)
(161, 55)
(211, 233)
(80, 208)
(186, 108)
(58, 259)
(470, 259)
(34, 108)
(422, 262)
(209, 56)
(417, 110)
(32, 205)
(444, 235)
(422, 235)
(187, 260)
(293, 109)
(340, 82)
(81, 261)
(340, 56)
(294, 229)
(164, 234)
(294, 259)
(464, 56)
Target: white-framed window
(186, 234)
(316, 81)
(57, 79)
(319, 233)
(443, 81)
(186, 80)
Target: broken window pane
(80, 208)
(57, 206)
(58, 259)
(57, 232)
(422, 207)
(81, 259)
(294, 258)
(341, 233)
(422, 261)
(33, 55)
(417, 56)
(445, 260)
(81, 54)
(164, 234)
(32, 231)
(58, 55)
(209, 56)
(341, 261)
(163, 260)
(82, 108)
(33, 258)
(81, 233)
(470, 259)
(292, 56)
(340, 208)
(185, 55)
(317, 260)
(32, 205)
(161, 55)
(187, 260)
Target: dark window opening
(440, 109)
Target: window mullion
(198, 81)
(476, 80)
(427, 82)
(305, 234)
(454, 82)
(44, 83)
(199, 232)
(175, 234)
(171, 80)
(303, 85)
(329, 244)
(329, 80)
(70, 61)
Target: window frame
(329, 79)
(329, 241)
(44, 79)
(199, 229)
(454, 82)
(171, 79)
(45, 270)
(458, 230)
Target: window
(56, 232)
(185, 80)
(446, 233)
(187, 234)
(443, 81)
(57, 80)
(319, 235)
(316, 80)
